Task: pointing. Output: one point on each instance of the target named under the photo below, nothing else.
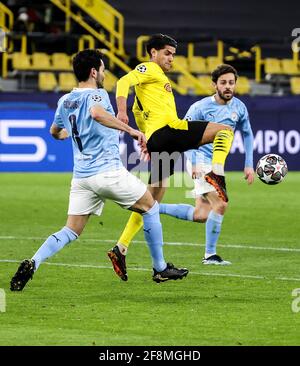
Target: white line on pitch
(251, 277)
(234, 246)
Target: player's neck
(155, 62)
(87, 84)
(221, 101)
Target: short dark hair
(84, 61)
(221, 70)
(159, 41)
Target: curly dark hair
(84, 61)
(159, 41)
(221, 70)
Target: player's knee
(220, 207)
(144, 204)
(198, 217)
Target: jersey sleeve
(194, 113)
(142, 74)
(94, 99)
(247, 137)
(109, 107)
(58, 117)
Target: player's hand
(122, 116)
(138, 135)
(145, 156)
(63, 134)
(142, 142)
(249, 175)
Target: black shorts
(166, 145)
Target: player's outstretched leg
(117, 254)
(170, 273)
(215, 259)
(23, 275)
(218, 182)
(51, 246)
(162, 271)
(221, 147)
(119, 262)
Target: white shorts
(200, 184)
(88, 195)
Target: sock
(180, 211)
(133, 226)
(213, 229)
(221, 147)
(122, 248)
(53, 244)
(154, 237)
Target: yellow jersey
(154, 105)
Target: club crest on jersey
(96, 98)
(168, 87)
(141, 68)
(234, 116)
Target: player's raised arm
(58, 133)
(100, 115)
(248, 143)
(122, 91)
(122, 109)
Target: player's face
(100, 76)
(164, 57)
(225, 86)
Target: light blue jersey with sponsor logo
(95, 146)
(233, 114)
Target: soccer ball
(271, 169)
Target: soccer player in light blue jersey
(223, 108)
(87, 116)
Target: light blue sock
(213, 229)
(154, 237)
(53, 244)
(180, 211)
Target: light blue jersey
(233, 114)
(95, 147)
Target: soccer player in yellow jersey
(155, 113)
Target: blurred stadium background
(38, 39)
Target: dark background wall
(193, 19)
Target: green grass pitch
(76, 299)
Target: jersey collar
(83, 89)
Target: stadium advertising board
(26, 145)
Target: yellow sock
(133, 226)
(221, 147)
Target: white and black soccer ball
(271, 169)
